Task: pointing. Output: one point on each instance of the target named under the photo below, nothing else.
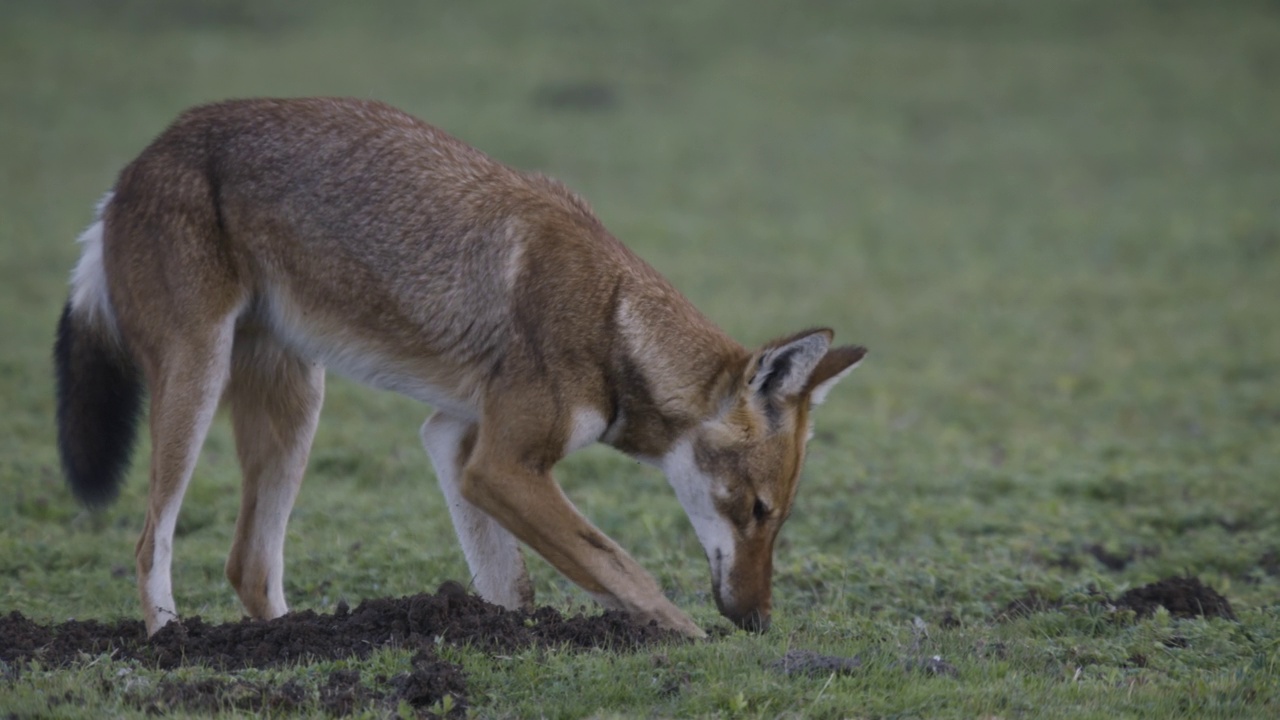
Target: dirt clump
(429, 682)
(343, 693)
(210, 695)
(1183, 597)
(22, 639)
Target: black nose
(754, 621)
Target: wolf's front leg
(492, 553)
(531, 505)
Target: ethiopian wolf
(255, 244)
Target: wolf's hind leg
(186, 385)
(275, 400)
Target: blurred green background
(1056, 224)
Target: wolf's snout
(755, 621)
(752, 615)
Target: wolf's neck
(672, 367)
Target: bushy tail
(100, 392)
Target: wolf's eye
(760, 511)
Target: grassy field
(1055, 224)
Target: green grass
(1056, 225)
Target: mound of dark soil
(417, 622)
(1183, 597)
(451, 615)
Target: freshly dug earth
(451, 615)
(1183, 597)
(416, 622)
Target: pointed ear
(783, 367)
(837, 363)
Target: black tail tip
(99, 400)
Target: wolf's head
(736, 472)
